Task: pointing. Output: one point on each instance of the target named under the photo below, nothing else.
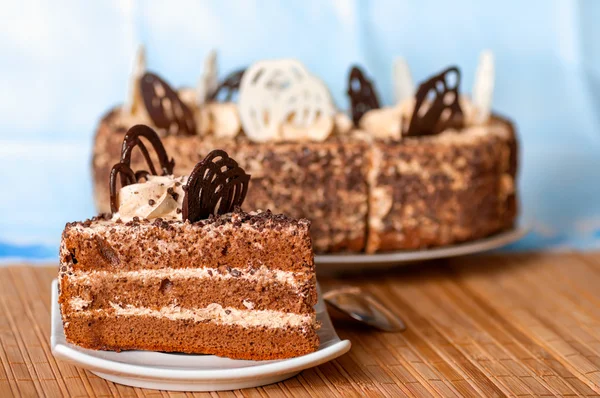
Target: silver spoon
(363, 307)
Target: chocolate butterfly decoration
(229, 86)
(362, 94)
(164, 106)
(123, 168)
(216, 186)
(434, 115)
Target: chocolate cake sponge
(240, 285)
(442, 189)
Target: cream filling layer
(259, 275)
(212, 313)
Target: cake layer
(259, 275)
(440, 190)
(238, 240)
(187, 288)
(213, 313)
(322, 181)
(109, 331)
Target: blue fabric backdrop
(64, 63)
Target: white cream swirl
(220, 119)
(159, 196)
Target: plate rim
(480, 245)
(73, 355)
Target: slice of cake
(175, 269)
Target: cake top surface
(280, 100)
(236, 219)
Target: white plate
(338, 263)
(185, 372)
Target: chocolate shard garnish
(228, 87)
(216, 186)
(362, 94)
(164, 106)
(437, 105)
(123, 170)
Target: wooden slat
(496, 325)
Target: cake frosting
(158, 197)
(213, 313)
(261, 275)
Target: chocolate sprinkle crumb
(172, 192)
(151, 202)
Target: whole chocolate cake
(435, 169)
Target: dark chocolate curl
(216, 186)
(127, 177)
(437, 105)
(228, 87)
(133, 138)
(362, 94)
(164, 106)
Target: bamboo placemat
(504, 325)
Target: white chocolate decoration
(281, 100)
(134, 100)
(208, 82)
(404, 87)
(483, 88)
